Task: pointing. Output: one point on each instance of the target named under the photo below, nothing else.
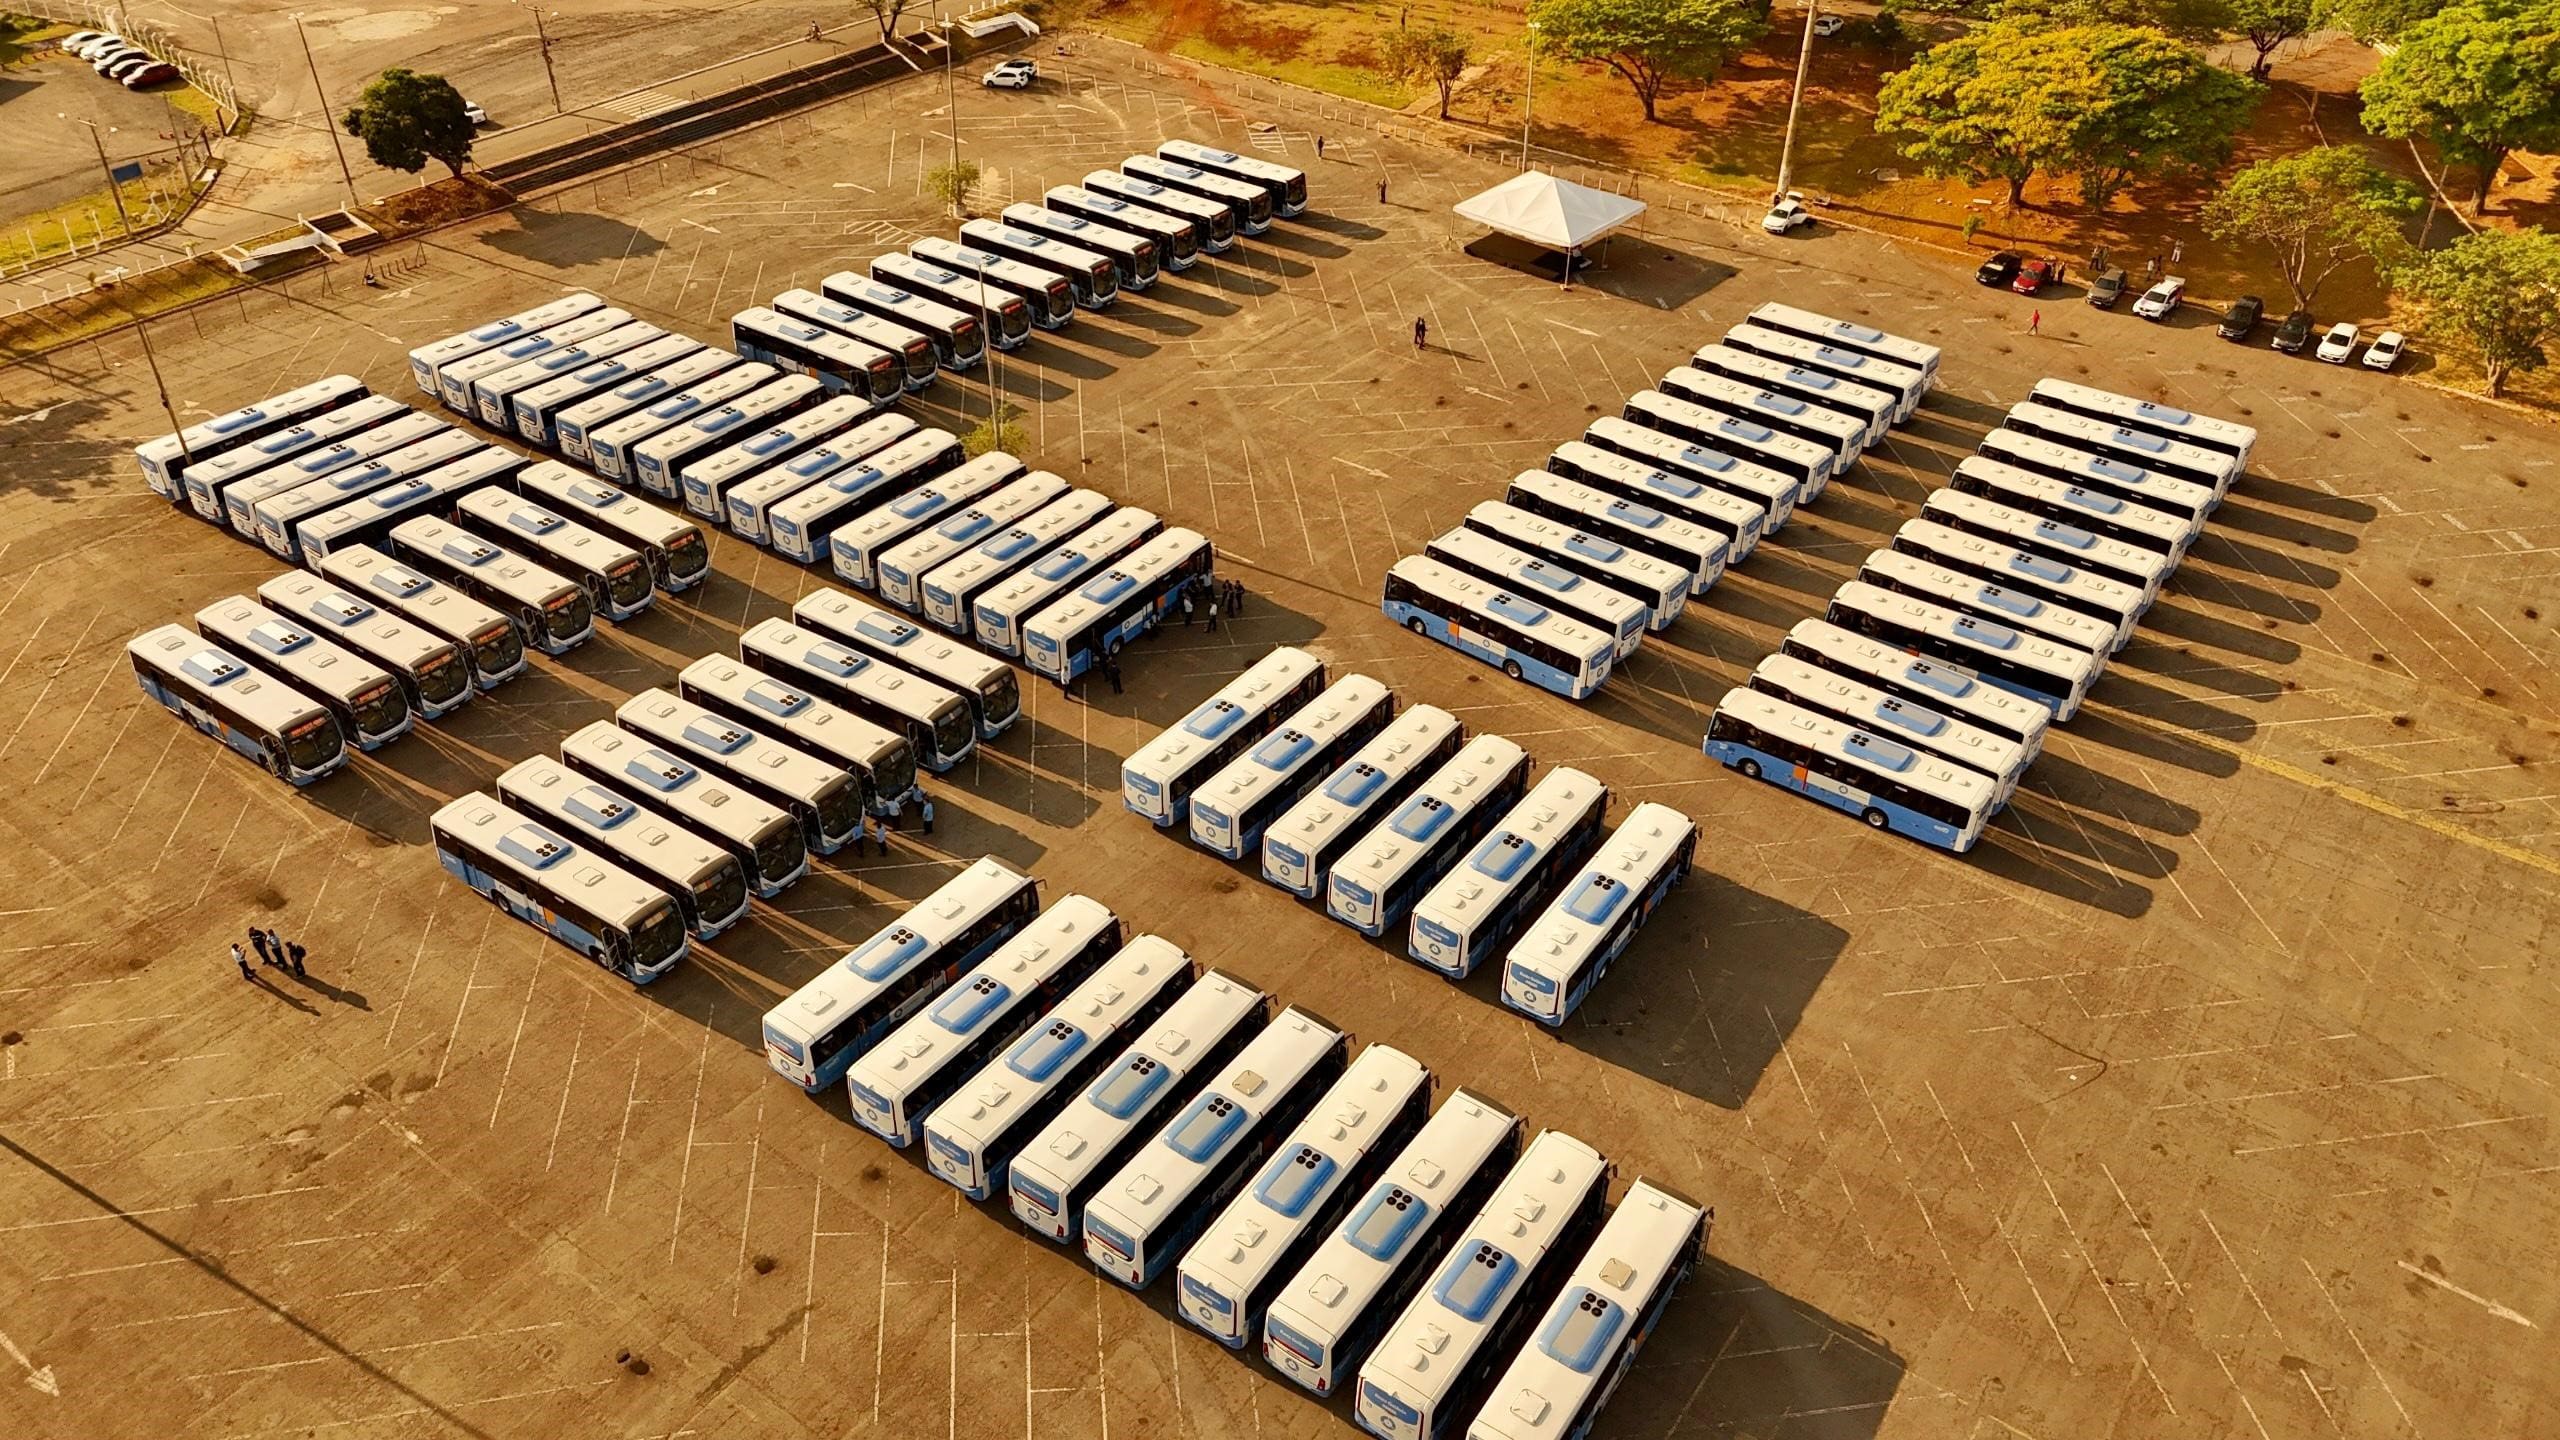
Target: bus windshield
(780, 850)
(498, 649)
(314, 743)
(953, 729)
(657, 937)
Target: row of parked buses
(1400, 822)
(1307, 1200)
(1918, 700)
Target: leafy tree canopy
(2476, 80)
(406, 119)
(2315, 211)
(2495, 293)
(1650, 42)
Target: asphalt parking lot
(2210, 1096)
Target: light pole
(1795, 100)
(1529, 96)
(98, 139)
(542, 42)
(230, 81)
(951, 84)
(328, 121)
(142, 332)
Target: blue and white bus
(1871, 409)
(1524, 639)
(751, 498)
(371, 705)
(2145, 571)
(1213, 225)
(2053, 452)
(1933, 683)
(826, 798)
(2055, 675)
(538, 410)
(2040, 576)
(821, 354)
(1299, 848)
(1145, 1216)
(275, 727)
(2152, 458)
(434, 672)
(1562, 953)
(1808, 464)
(1094, 276)
(813, 1038)
(1882, 781)
(493, 396)
(1321, 1325)
(803, 525)
(906, 1077)
(1587, 1340)
(1386, 870)
(1435, 1366)
(1227, 1278)
(607, 446)
(996, 620)
(901, 568)
(1904, 383)
(2074, 507)
(454, 378)
(951, 592)
(570, 428)
(165, 461)
(1696, 549)
(370, 518)
(1231, 809)
(242, 498)
(709, 883)
(426, 360)
(551, 612)
(1052, 1176)
(1478, 907)
(937, 721)
(764, 839)
(1177, 242)
(1853, 702)
(1850, 336)
(972, 1137)
(1133, 255)
(1007, 315)
(1286, 185)
(910, 349)
(678, 555)
(617, 577)
(959, 341)
(856, 546)
(1739, 521)
(209, 481)
(1249, 206)
(1051, 298)
(1770, 494)
(1534, 577)
(1921, 579)
(2228, 437)
(490, 639)
(879, 757)
(705, 480)
(1117, 606)
(657, 462)
(1156, 782)
(993, 689)
(1657, 584)
(1844, 436)
(586, 902)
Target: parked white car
(2338, 344)
(1011, 75)
(2385, 350)
(2160, 299)
(1829, 25)
(1786, 215)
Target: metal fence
(201, 70)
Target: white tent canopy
(1543, 210)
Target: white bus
(1249, 207)
(902, 1080)
(879, 757)
(709, 883)
(2054, 674)
(1228, 1276)
(1933, 683)
(1808, 464)
(2049, 580)
(1322, 1323)
(1700, 551)
(901, 568)
(1007, 316)
(1387, 869)
(705, 480)
(997, 618)
(857, 545)
(994, 691)
(1766, 491)
(454, 378)
(165, 461)
(1882, 781)
(910, 349)
(616, 576)
(242, 497)
(537, 411)
(750, 500)
(1051, 297)
(971, 1138)
(490, 639)
(824, 797)
(370, 517)
(1542, 581)
(1855, 703)
(571, 427)
(959, 341)
(1142, 1219)
(823, 355)
(951, 592)
(493, 396)
(2145, 571)
(678, 555)
(1231, 809)
(607, 446)
(1435, 1366)
(209, 481)
(425, 360)
(1924, 579)
(273, 726)
(2052, 449)
(1094, 277)
(1903, 383)
(1478, 907)
(937, 722)
(657, 462)
(1844, 436)
(2146, 460)
(1299, 848)
(1156, 782)
(1511, 631)
(1739, 521)
(371, 705)
(2075, 507)
(813, 1037)
(803, 525)
(1587, 1340)
(1213, 225)
(1563, 953)
(1647, 579)
(586, 902)
(765, 841)
(2228, 437)
(1057, 1171)
(1286, 185)
(1177, 242)
(1873, 410)
(1854, 338)
(1133, 256)
(1117, 606)
(551, 612)
(434, 672)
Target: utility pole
(542, 42)
(1795, 101)
(230, 82)
(113, 189)
(952, 85)
(142, 331)
(1529, 96)
(328, 121)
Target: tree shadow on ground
(567, 241)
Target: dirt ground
(50, 159)
(2210, 1096)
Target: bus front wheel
(1750, 769)
(1416, 626)
(1875, 818)
(1511, 668)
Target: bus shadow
(2180, 662)
(2240, 594)
(1192, 297)
(2150, 702)
(1667, 698)
(1756, 608)
(2077, 785)
(1902, 484)
(1044, 350)
(2015, 851)
(715, 989)
(1330, 224)
(1265, 261)
(1790, 572)
(1153, 320)
(1946, 407)
(2083, 836)
(2145, 742)
(1843, 508)
(1733, 1355)
(1041, 771)
(1298, 242)
(2217, 547)
(689, 625)
(2271, 525)
(2256, 486)
(1099, 337)
(1231, 274)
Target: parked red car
(2037, 274)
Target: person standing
(925, 809)
(2177, 251)
(1213, 614)
(1319, 147)
(293, 953)
(1186, 607)
(1111, 672)
(1382, 189)
(1421, 334)
(240, 958)
(275, 946)
(258, 942)
(2035, 322)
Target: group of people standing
(273, 949)
(1202, 601)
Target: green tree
(406, 119)
(1437, 54)
(1651, 42)
(2316, 211)
(887, 12)
(2476, 80)
(2186, 19)
(2373, 20)
(951, 184)
(2270, 23)
(2155, 107)
(2495, 293)
(1987, 105)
